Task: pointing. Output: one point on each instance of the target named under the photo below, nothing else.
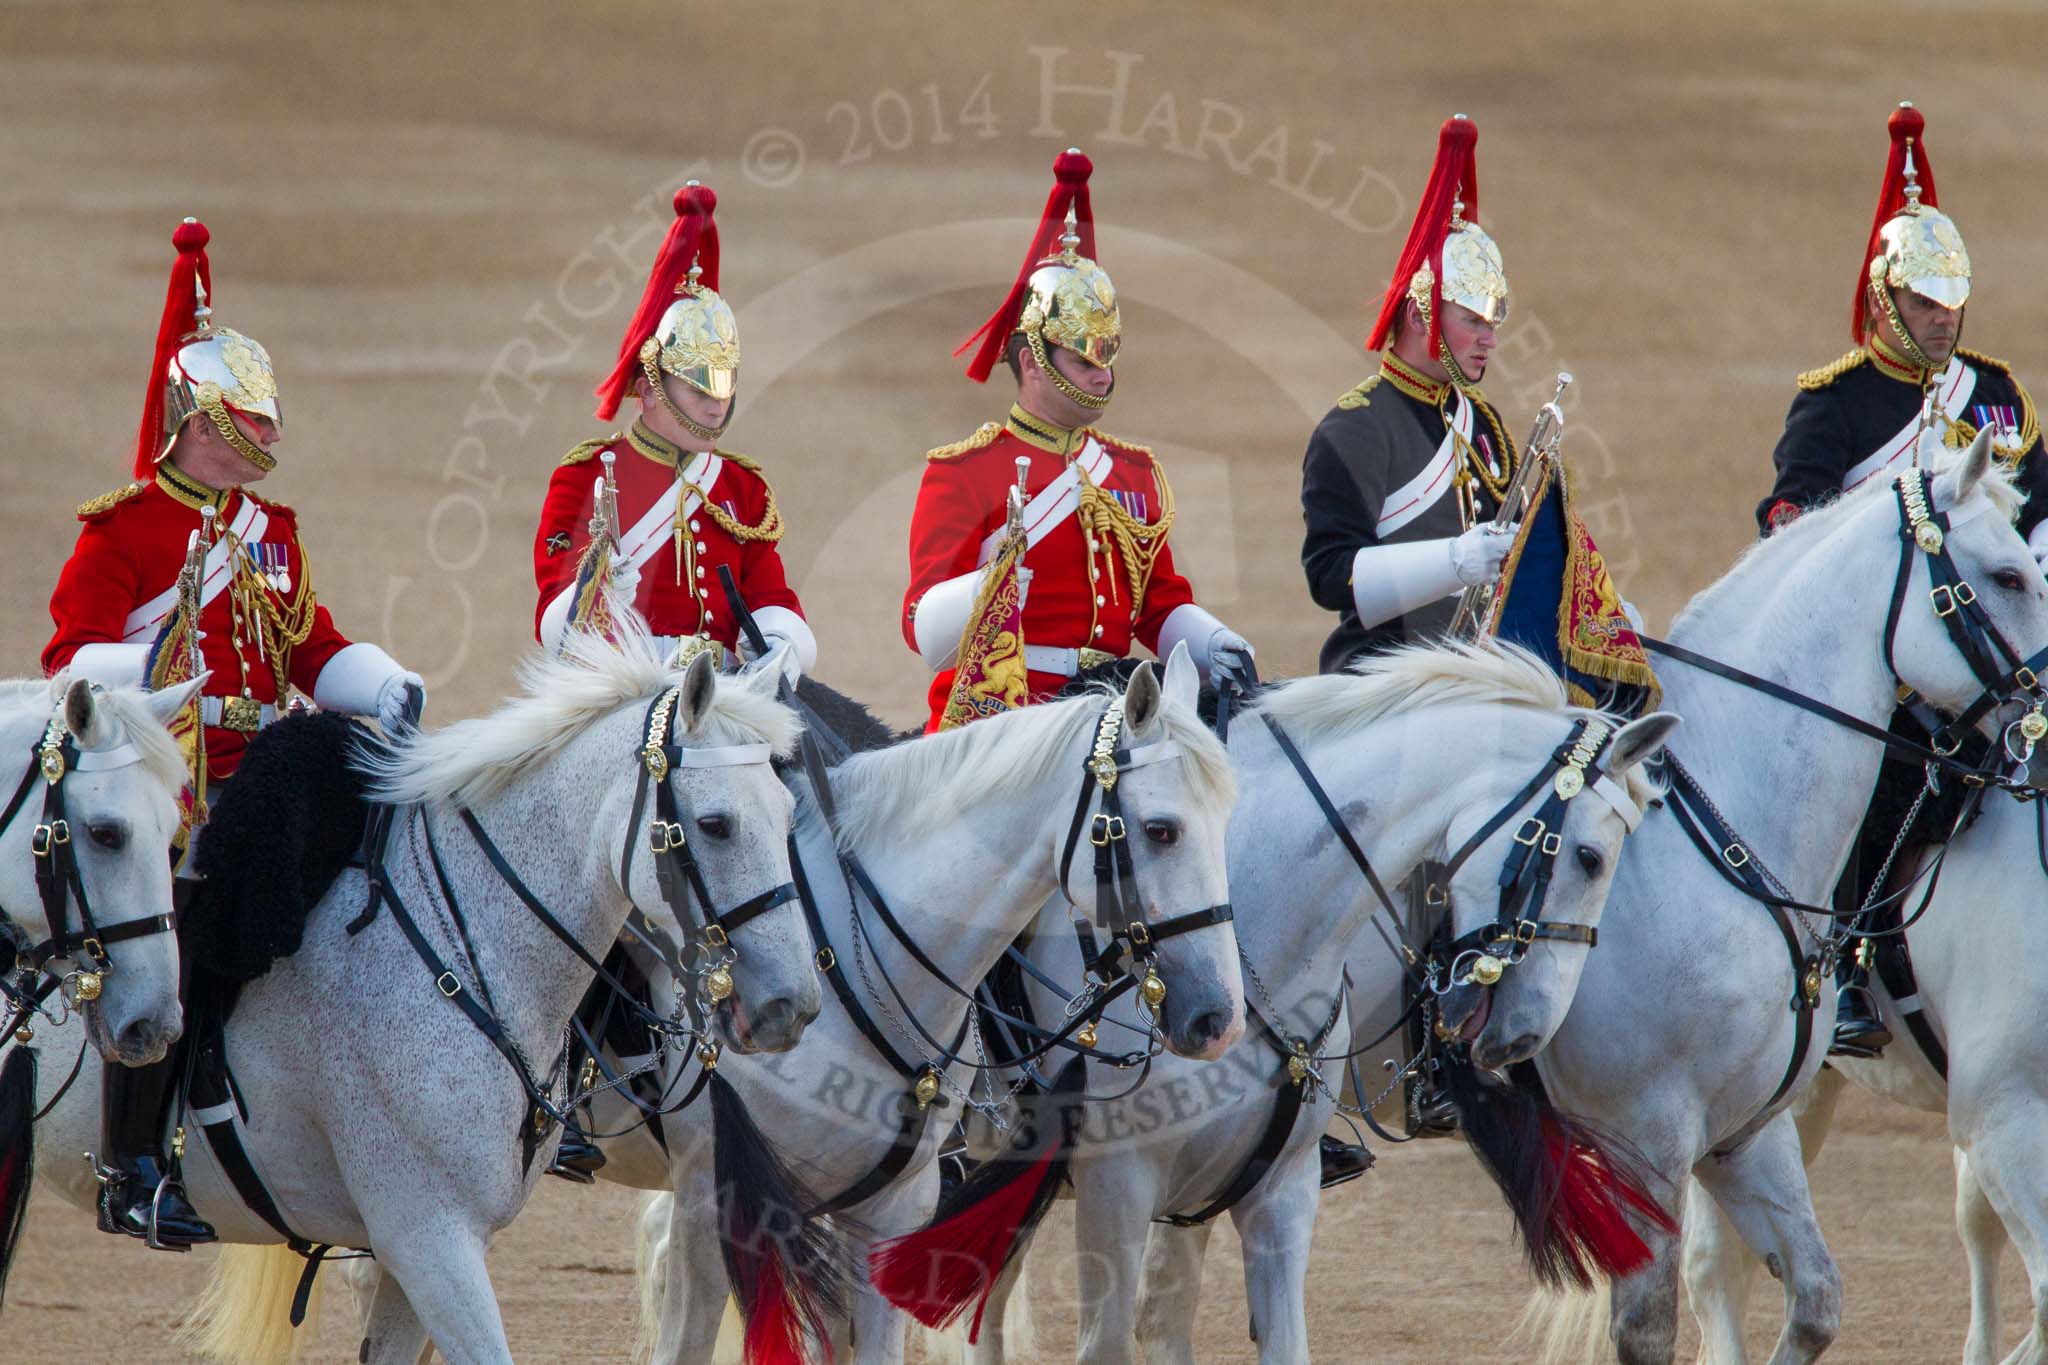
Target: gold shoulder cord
(258, 610)
(1137, 543)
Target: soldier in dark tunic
(1907, 391)
(1403, 477)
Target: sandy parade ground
(437, 217)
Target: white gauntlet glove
(1476, 556)
(1230, 659)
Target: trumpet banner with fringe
(990, 676)
(1557, 599)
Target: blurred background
(437, 218)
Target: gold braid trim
(1137, 543)
(587, 450)
(1503, 442)
(1358, 396)
(984, 435)
(768, 528)
(1827, 374)
(284, 626)
(106, 502)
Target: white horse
(963, 833)
(1681, 1029)
(377, 1114)
(120, 793)
(1417, 751)
(96, 800)
(1978, 983)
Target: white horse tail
(650, 1266)
(17, 1151)
(244, 1314)
(651, 1251)
(1565, 1326)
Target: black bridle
(1132, 940)
(707, 930)
(59, 883)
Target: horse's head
(106, 810)
(1173, 798)
(1533, 857)
(713, 865)
(1972, 606)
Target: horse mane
(39, 698)
(1788, 543)
(562, 696)
(911, 781)
(1417, 677)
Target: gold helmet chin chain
(1059, 381)
(1908, 343)
(211, 402)
(649, 350)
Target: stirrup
(150, 1238)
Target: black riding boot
(137, 1195)
(1342, 1161)
(624, 1032)
(1859, 1027)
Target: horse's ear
(166, 705)
(764, 675)
(1955, 482)
(1640, 740)
(700, 685)
(1183, 681)
(82, 713)
(1141, 699)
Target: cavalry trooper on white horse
(1094, 575)
(209, 426)
(677, 512)
(1874, 411)
(1421, 516)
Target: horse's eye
(2009, 579)
(717, 826)
(1163, 831)
(109, 834)
(1590, 860)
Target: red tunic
(677, 596)
(131, 549)
(1078, 598)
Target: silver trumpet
(1532, 473)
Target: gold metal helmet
(1474, 276)
(697, 339)
(681, 328)
(201, 368)
(1448, 257)
(1069, 301)
(1913, 245)
(1060, 298)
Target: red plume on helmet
(191, 274)
(1454, 178)
(692, 238)
(1908, 141)
(1070, 171)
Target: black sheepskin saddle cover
(286, 827)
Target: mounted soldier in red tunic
(1089, 574)
(685, 508)
(183, 570)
